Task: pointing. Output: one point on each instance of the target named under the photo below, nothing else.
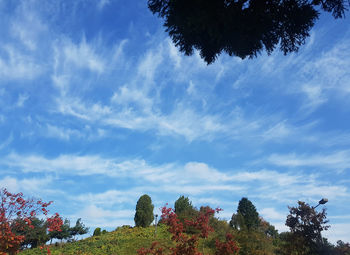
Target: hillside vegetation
(122, 241)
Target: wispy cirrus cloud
(16, 65)
(7, 141)
(191, 178)
(337, 161)
(139, 104)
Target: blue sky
(98, 107)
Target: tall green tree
(246, 217)
(241, 28)
(182, 204)
(144, 211)
(254, 234)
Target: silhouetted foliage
(144, 212)
(342, 248)
(306, 225)
(241, 28)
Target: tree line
(253, 234)
(190, 228)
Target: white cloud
(102, 3)
(271, 214)
(6, 142)
(83, 56)
(99, 217)
(109, 197)
(22, 98)
(278, 131)
(65, 133)
(192, 178)
(17, 66)
(267, 176)
(337, 161)
(139, 104)
(149, 64)
(338, 231)
(28, 186)
(27, 27)
(61, 133)
(174, 54)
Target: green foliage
(97, 232)
(64, 234)
(241, 28)
(144, 212)
(182, 204)
(33, 236)
(254, 234)
(123, 241)
(254, 242)
(78, 229)
(247, 217)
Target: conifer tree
(144, 211)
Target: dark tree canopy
(306, 225)
(144, 212)
(241, 28)
(246, 217)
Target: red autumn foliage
(187, 244)
(13, 206)
(47, 249)
(226, 248)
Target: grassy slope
(123, 241)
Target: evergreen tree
(255, 235)
(182, 204)
(247, 217)
(144, 212)
(241, 28)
